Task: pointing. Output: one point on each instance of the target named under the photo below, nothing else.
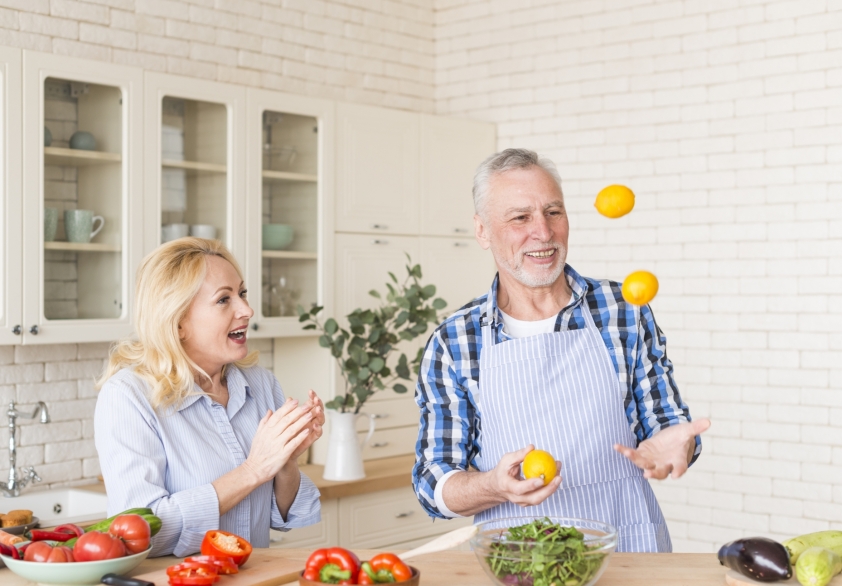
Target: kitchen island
(461, 568)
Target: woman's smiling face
(213, 333)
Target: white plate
(21, 529)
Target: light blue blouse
(167, 461)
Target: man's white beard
(542, 279)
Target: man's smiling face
(524, 223)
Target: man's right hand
(471, 492)
(506, 480)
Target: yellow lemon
(640, 287)
(614, 201)
(539, 464)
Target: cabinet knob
(379, 227)
(379, 241)
(34, 330)
(460, 244)
(379, 444)
(254, 326)
(16, 330)
(460, 230)
(404, 515)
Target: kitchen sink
(60, 505)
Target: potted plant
(364, 351)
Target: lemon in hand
(539, 464)
(640, 287)
(614, 201)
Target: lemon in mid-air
(640, 287)
(614, 201)
(539, 464)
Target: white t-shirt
(516, 328)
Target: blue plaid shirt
(450, 434)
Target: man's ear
(481, 232)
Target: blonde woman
(185, 421)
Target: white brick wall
(726, 120)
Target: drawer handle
(379, 444)
(379, 227)
(460, 244)
(404, 515)
(379, 241)
(460, 231)
(380, 415)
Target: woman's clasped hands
(283, 435)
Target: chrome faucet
(16, 482)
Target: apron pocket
(644, 538)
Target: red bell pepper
(384, 568)
(192, 574)
(224, 544)
(333, 565)
(222, 565)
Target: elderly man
(551, 359)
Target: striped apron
(560, 391)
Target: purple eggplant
(759, 558)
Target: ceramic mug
(173, 231)
(79, 225)
(203, 231)
(50, 224)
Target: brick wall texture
(724, 117)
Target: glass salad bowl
(526, 551)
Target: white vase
(344, 449)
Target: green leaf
(304, 317)
(364, 373)
(393, 277)
(325, 341)
(336, 350)
(300, 310)
(399, 388)
(428, 291)
(374, 293)
(376, 364)
(331, 326)
(358, 330)
(416, 271)
(309, 327)
(401, 319)
(316, 309)
(374, 335)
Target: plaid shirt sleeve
(656, 395)
(448, 438)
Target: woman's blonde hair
(167, 282)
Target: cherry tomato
(96, 546)
(133, 530)
(223, 565)
(224, 544)
(41, 551)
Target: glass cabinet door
(287, 168)
(193, 151)
(11, 323)
(87, 182)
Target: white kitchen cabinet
(11, 310)
(78, 287)
(325, 533)
(459, 268)
(290, 186)
(451, 150)
(195, 149)
(377, 170)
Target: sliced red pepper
(71, 528)
(192, 574)
(224, 544)
(41, 535)
(384, 568)
(222, 564)
(333, 565)
(198, 567)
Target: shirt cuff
(439, 496)
(305, 508)
(199, 509)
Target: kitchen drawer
(323, 534)
(398, 412)
(385, 443)
(383, 518)
(444, 527)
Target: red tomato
(224, 544)
(133, 530)
(41, 551)
(96, 546)
(223, 565)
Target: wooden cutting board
(265, 568)
(732, 578)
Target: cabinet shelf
(195, 166)
(284, 177)
(82, 246)
(290, 254)
(78, 158)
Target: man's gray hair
(506, 161)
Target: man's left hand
(668, 452)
